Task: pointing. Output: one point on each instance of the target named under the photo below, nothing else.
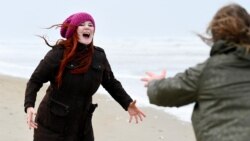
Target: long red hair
(70, 47)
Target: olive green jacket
(220, 89)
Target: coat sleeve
(114, 87)
(176, 91)
(43, 73)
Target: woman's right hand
(31, 113)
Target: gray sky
(114, 18)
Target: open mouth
(86, 35)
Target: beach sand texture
(110, 121)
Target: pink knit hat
(72, 22)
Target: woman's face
(85, 32)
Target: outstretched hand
(30, 117)
(152, 76)
(135, 113)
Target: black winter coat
(65, 113)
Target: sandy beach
(110, 121)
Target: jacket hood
(225, 47)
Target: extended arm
(44, 72)
(114, 87)
(176, 91)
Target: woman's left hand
(152, 76)
(135, 112)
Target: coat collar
(222, 47)
(225, 47)
(82, 47)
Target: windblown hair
(70, 46)
(230, 23)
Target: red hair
(70, 46)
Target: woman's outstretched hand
(135, 113)
(31, 113)
(152, 76)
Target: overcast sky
(114, 18)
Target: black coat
(65, 113)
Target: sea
(130, 58)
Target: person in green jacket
(220, 86)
